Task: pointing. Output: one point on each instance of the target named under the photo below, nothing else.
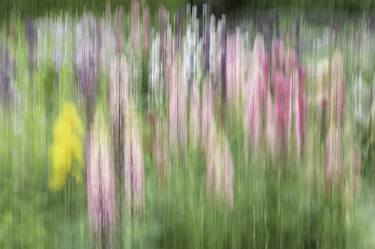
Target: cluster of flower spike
(197, 74)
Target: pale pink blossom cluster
(100, 178)
(275, 103)
(335, 109)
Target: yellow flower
(66, 150)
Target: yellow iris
(66, 147)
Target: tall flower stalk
(219, 167)
(332, 158)
(133, 161)
(100, 181)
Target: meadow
(130, 129)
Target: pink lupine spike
(282, 108)
(228, 173)
(133, 160)
(195, 114)
(253, 122)
(100, 179)
(234, 68)
(177, 95)
(277, 54)
(181, 108)
(322, 75)
(332, 157)
(300, 112)
(270, 125)
(219, 167)
(290, 61)
(173, 104)
(134, 33)
(119, 17)
(338, 89)
(207, 111)
(257, 92)
(300, 123)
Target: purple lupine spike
(278, 54)
(269, 37)
(230, 66)
(259, 25)
(86, 56)
(6, 72)
(178, 30)
(277, 24)
(206, 45)
(223, 59)
(31, 34)
(100, 180)
(86, 62)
